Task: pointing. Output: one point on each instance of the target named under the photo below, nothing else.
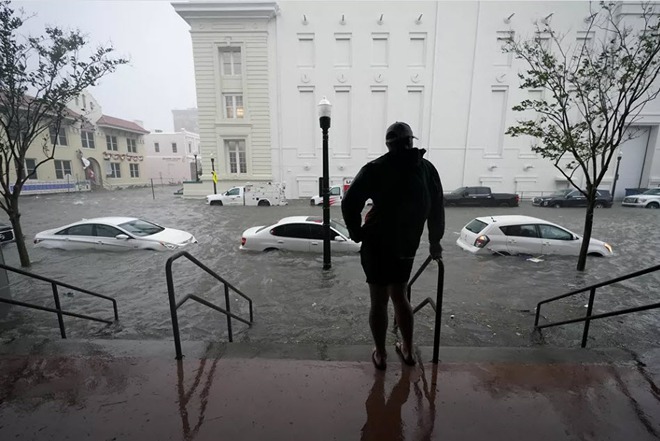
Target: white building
(170, 157)
(262, 67)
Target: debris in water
(535, 259)
(451, 316)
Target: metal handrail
(58, 309)
(436, 305)
(592, 295)
(174, 305)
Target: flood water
(488, 300)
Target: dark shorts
(383, 268)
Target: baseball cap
(399, 130)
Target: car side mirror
(576, 237)
(465, 193)
(122, 237)
(339, 239)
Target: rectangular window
(230, 61)
(377, 121)
(236, 155)
(503, 58)
(189, 147)
(111, 143)
(157, 147)
(414, 109)
(341, 122)
(306, 50)
(30, 168)
(58, 137)
(115, 170)
(135, 170)
(62, 168)
(87, 139)
(497, 116)
(307, 122)
(379, 49)
(131, 145)
(233, 106)
(343, 50)
(417, 51)
(174, 147)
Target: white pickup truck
(262, 195)
(648, 199)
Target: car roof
(110, 220)
(297, 219)
(512, 220)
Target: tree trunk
(586, 234)
(15, 218)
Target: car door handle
(314, 242)
(280, 241)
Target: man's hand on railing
(436, 251)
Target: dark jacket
(406, 192)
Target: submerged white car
(298, 233)
(113, 234)
(512, 235)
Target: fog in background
(160, 75)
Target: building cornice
(226, 10)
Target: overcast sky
(160, 75)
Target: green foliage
(39, 75)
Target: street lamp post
(325, 109)
(616, 172)
(196, 170)
(215, 188)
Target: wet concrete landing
(221, 394)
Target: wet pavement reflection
(102, 397)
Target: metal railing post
(227, 307)
(175, 320)
(538, 316)
(60, 317)
(590, 307)
(438, 310)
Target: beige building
(100, 152)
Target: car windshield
(141, 227)
(476, 226)
(653, 192)
(458, 191)
(560, 193)
(339, 227)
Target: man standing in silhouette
(406, 192)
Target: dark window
(111, 143)
(234, 192)
(135, 170)
(520, 230)
(316, 232)
(174, 147)
(131, 145)
(554, 233)
(476, 226)
(107, 231)
(115, 170)
(335, 191)
(296, 231)
(77, 230)
(481, 191)
(58, 137)
(87, 139)
(157, 147)
(30, 168)
(62, 168)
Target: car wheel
(505, 204)
(311, 202)
(556, 205)
(219, 203)
(594, 254)
(263, 203)
(269, 250)
(599, 205)
(653, 205)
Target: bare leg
(378, 318)
(404, 316)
